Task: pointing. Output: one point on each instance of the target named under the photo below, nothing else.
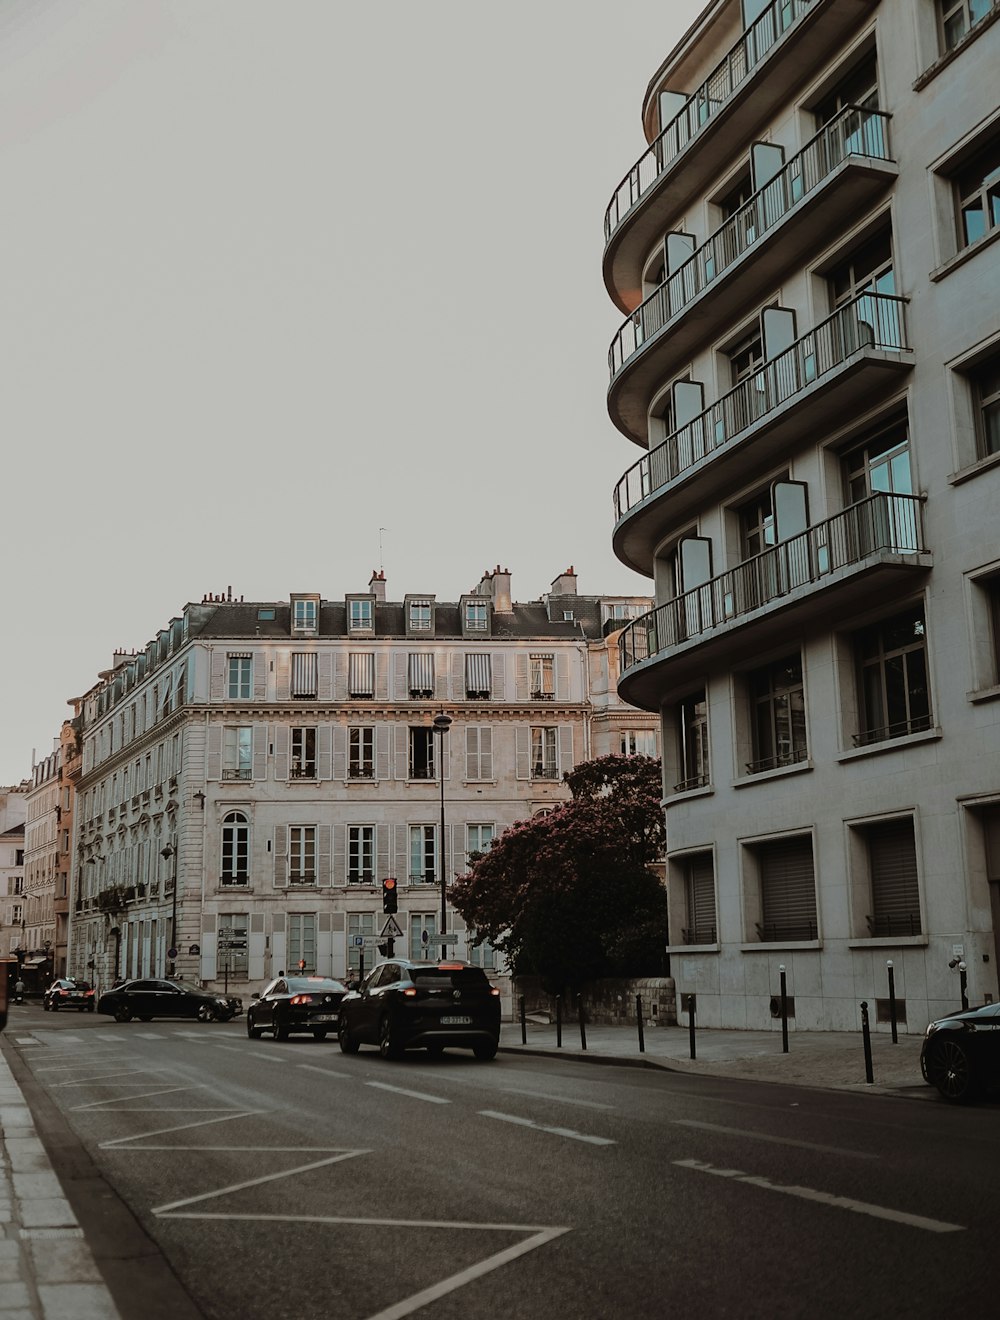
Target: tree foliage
(572, 896)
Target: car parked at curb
(67, 992)
(148, 998)
(404, 1005)
(961, 1053)
(295, 1004)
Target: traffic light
(390, 897)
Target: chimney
(564, 584)
(499, 589)
(377, 586)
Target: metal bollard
(892, 1001)
(638, 1019)
(784, 1010)
(963, 985)
(690, 1013)
(583, 1026)
(866, 1038)
(524, 1025)
(558, 1022)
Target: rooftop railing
(879, 524)
(854, 132)
(870, 321)
(725, 79)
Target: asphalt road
(287, 1180)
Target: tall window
(477, 616)
(881, 463)
(361, 854)
(302, 854)
(303, 759)
(421, 753)
(482, 955)
(637, 742)
(544, 755)
(892, 873)
(478, 678)
(541, 679)
(359, 925)
(892, 663)
(361, 674)
(361, 752)
(233, 947)
(978, 189)
(304, 615)
(420, 673)
(302, 941)
(240, 677)
(304, 669)
(423, 854)
(692, 738)
(699, 899)
(423, 928)
(420, 616)
(237, 753)
(859, 88)
(958, 16)
(777, 701)
(787, 890)
(478, 752)
(235, 849)
(360, 615)
(478, 839)
(986, 383)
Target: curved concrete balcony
(831, 569)
(786, 44)
(837, 176)
(834, 370)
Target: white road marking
(414, 1095)
(106, 1078)
(27, 1040)
(327, 1072)
(779, 1141)
(113, 1100)
(257, 1182)
(826, 1198)
(227, 1117)
(257, 1054)
(541, 1127)
(90, 1063)
(559, 1099)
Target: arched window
(235, 849)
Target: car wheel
(485, 1050)
(949, 1068)
(319, 1033)
(388, 1046)
(206, 1013)
(45, 1006)
(123, 1013)
(55, 1007)
(348, 1044)
(435, 1051)
(280, 1029)
(253, 1032)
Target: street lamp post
(442, 723)
(168, 852)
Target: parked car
(66, 992)
(961, 1053)
(406, 1005)
(148, 999)
(296, 1004)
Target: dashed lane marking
(414, 1095)
(778, 1141)
(326, 1072)
(542, 1127)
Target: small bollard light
(784, 1009)
(892, 1001)
(866, 1040)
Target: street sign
(440, 939)
(391, 930)
(364, 941)
(225, 931)
(171, 954)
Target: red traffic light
(390, 898)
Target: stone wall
(610, 1002)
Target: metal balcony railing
(882, 523)
(870, 321)
(239, 772)
(854, 132)
(739, 63)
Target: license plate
(324, 1017)
(76, 994)
(456, 1021)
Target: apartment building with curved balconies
(807, 258)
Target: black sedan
(296, 1004)
(148, 999)
(961, 1053)
(405, 1005)
(67, 992)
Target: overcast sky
(279, 273)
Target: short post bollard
(963, 985)
(892, 1001)
(690, 1013)
(784, 1010)
(558, 1022)
(638, 1019)
(866, 1038)
(583, 1025)
(524, 1024)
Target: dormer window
(477, 616)
(305, 614)
(360, 614)
(420, 616)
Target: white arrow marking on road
(554, 1131)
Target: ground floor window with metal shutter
(787, 890)
(892, 869)
(699, 887)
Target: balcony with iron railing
(835, 369)
(785, 45)
(831, 568)
(810, 201)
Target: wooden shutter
(324, 750)
(566, 759)
(787, 889)
(472, 753)
(522, 748)
(700, 886)
(340, 676)
(485, 753)
(401, 751)
(213, 760)
(382, 734)
(441, 675)
(381, 676)
(457, 676)
(323, 846)
(892, 861)
(562, 677)
(324, 689)
(498, 678)
(338, 736)
(281, 752)
(280, 856)
(220, 667)
(400, 688)
(520, 678)
(383, 852)
(339, 856)
(260, 751)
(259, 676)
(281, 675)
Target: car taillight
(89, 993)
(494, 991)
(301, 999)
(410, 992)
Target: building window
(880, 463)
(478, 752)
(978, 188)
(361, 854)
(859, 88)
(986, 388)
(478, 676)
(303, 757)
(360, 615)
(478, 839)
(477, 616)
(237, 753)
(542, 683)
(892, 663)
(420, 615)
(423, 854)
(420, 674)
(233, 947)
(787, 890)
(423, 928)
(360, 925)
(957, 17)
(361, 752)
(235, 849)
(892, 874)
(302, 854)
(692, 738)
(637, 742)
(361, 674)
(304, 614)
(421, 753)
(544, 754)
(304, 669)
(302, 941)
(699, 899)
(482, 955)
(777, 703)
(266, 614)
(240, 678)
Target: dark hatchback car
(69, 993)
(296, 1004)
(961, 1053)
(148, 999)
(405, 1005)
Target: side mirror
(255, 995)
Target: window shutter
(892, 860)
(280, 856)
(701, 900)
(324, 751)
(323, 843)
(445, 768)
(401, 754)
(383, 852)
(566, 761)
(400, 689)
(562, 677)
(498, 677)
(339, 737)
(472, 753)
(339, 858)
(441, 676)
(457, 676)
(260, 751)
(259, 676)
(522, 747)
(213, 761)
(340, 676)
(382, 732)
(281, 675)
(220, 669)
(485, 753)
(281, 752)
(381, 676)
(787, 889)
(325, 689)
(520, 678)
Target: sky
(291, 290)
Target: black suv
(406, 1005)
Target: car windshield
(306, 983)
(74, 985)
(442, 978)
(186, 986)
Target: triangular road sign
(391, 930)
